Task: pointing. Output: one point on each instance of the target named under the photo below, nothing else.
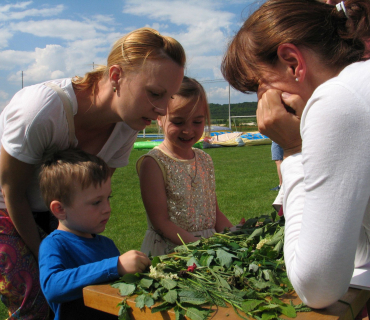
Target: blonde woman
(108, 105)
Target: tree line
(221, 111)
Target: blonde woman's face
(145, 94)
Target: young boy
(76, 187)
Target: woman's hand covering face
(278, 117)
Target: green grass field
(244, 176)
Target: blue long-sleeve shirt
(68, 263)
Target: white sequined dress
(191, 197)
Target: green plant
(244, 269)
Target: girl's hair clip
(340, 6)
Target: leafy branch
(244, 269)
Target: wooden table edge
(105, 298)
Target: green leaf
(206, 260)
(194, 301)
(162, 307)
(256, 233)
(221, 282)
(168, 283)
(238, 271)
(253, 267)
(125, 289)
(123, 313)
(155, 261)
(149, 301)
(130, 278)
(225, 258)
(179, 313)
(146, 282)
(279, 246)
(144, 300)
(189, 293)
(271, 306)
(250, 305)
(277, 301)
(196, 314)
(170, 296)
(158, 293)
(288, 311)
(234, 245)
(268, 315)
(266, 274)
(140, 301)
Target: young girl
(178, 181)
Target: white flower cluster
(157, 272)
(261, 243)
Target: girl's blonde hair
(192, 91)
(130, 52)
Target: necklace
(192, 179)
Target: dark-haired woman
(307, 61)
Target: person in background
(277, 156)
(177, 181)
(311, 77)
(99, 113)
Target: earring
(114, 89)
(296, 79)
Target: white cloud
(10, 59)
(7, 13)
(48, 64)
(58, 28)
(3, 95)
(5, 35)
(206, 25)
(158, 26)
(222, 93)
(18, 5)
(76, 39)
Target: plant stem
(183, 242)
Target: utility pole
(229, 110)
(22, 79)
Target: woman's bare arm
(15, 177)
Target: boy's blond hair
(67, 170)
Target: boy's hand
(132, 261)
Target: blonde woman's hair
(65, 169)
(130, 52)
(192, 91)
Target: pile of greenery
(243, 269)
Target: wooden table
(105, 298)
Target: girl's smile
(183, 126)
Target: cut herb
(244, 269)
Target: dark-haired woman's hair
(338, 38)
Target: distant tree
(221, 111)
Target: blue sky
(56, 39)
